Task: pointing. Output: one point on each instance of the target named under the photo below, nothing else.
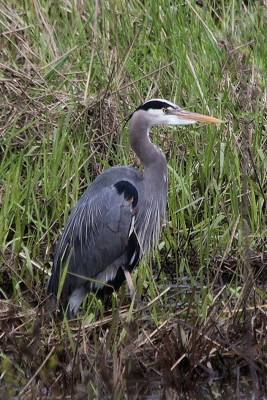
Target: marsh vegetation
(70, 73)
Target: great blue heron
(119, 216)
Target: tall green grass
(70, 73)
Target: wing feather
(95, 235)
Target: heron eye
(165, 110)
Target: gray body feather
(97, 231)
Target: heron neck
(152, 158)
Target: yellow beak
(182, 114)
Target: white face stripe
(154, 112)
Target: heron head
(163, 112)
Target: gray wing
(95, 235)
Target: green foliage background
(70, 72)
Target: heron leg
(133, 293)
(129, 282)
(76, 300)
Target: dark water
(217, 389)
(144, 390)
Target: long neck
(152, 157)
(152, 196)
